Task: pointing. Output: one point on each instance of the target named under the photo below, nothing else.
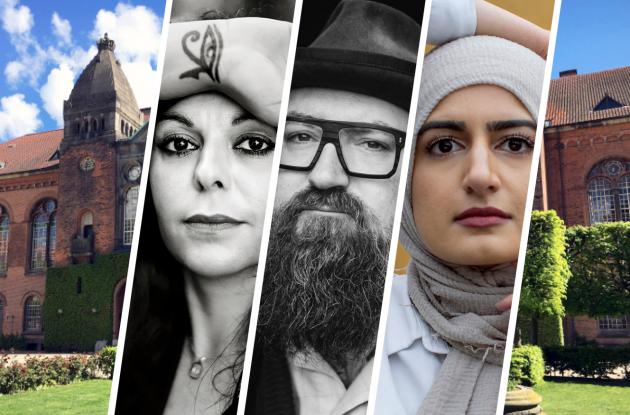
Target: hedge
(600, 263)
(12, 342)
(550, 332)
(546, 271)
(37, 372)
(84, 294)
(527, 367)
(587, 361)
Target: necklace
(197, 367)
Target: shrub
(38, 372)
(527, 367)
(106, 359)
(587, 361)
(12, 341)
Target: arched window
(87, 223)
(33, 315)
(93, 131)
(43, 235)
(102, 124)
(4, 241)
(608, 190)
(131, 202)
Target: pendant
(196, 369)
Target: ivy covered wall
(78, 310)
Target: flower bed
(36, 372)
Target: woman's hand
(505, 304)
(244, 58)
(495, 21)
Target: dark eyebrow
(446, 125)
(506, 124)
(245, 116)
(171, 115)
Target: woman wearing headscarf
(461, 224)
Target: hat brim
(376, 75)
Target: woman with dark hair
(204, 211)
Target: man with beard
(333, 215)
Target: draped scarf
(459, 302)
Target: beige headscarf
(458, 302)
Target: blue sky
(592, 36)
(44, 45)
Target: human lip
(324, 210)
(211, 223)
(482, 217)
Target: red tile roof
(573, 97)
(30, 152)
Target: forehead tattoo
(209, 55)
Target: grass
(567, 398)
(87, 397)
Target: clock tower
(99, 161)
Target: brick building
(585, 168)
(67, 198)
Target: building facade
(67, 198)
(585, 168)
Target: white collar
(405, 325)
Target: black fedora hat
(365, 47)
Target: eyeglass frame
(330, 135)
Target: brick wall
(81, 191)
(569, 156)
(20, 195)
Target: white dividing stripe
(273, 180)
(528, 209)
(122, 332)
(380, 339)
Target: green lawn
(561, 398)
(87, 397)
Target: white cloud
(17, 117)
(62, 28)
(16, 19)
(136, 30)
(56, 90)
(143, 80)
(14, 71)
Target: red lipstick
(482, 217)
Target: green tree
(546, 271)
(600, 263)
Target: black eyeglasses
(364, 150)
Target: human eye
(516, 144)
(178, 145)
(443, 146)
(254, 144)
(369, 140)
(301, 137)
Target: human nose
(211, 170)
(328, 171)
(481, 175)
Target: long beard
(324, 276)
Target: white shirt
(319, 390)
(451, 19)
(412, 356)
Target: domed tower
(100, 115)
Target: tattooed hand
(243, 58)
